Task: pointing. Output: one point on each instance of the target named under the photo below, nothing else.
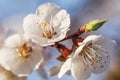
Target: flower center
(47, 29)
(91, 56)
(24, 51)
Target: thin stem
(76, 34)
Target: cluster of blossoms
(23, 53)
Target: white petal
(54, 70)
(61, 24)
(47, 10)
(102, 66)
(36, 57)
(108, 45)
(65, 67)
(7, 75)
(30, 25)
(79, 50)
(40, 40)
(91, 38)
(62, 19)
(14, 41)
(78, 70)
(6, 56)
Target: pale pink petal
(65, 67)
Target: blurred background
(12, 13)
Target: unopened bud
(94, 25)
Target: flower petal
(62, 19)
(36, 57)
(6, 56)
(108, 45)
(14, 41)
(101, 66)
(79, 70)
(65, 67)
(79, 50)
(40, 40)
(8, 75)
(47, 10)
(91, 38)
(30, 25)
(61, 24)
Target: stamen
(24, 51)
(88, 62)
(92, 56)
(100, 65)
(47, 29)
(100, 47)
(93, 52)
(85, 62)
(90, 59)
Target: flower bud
(94, 25)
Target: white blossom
(8, 75)
(20, 55)
(54, 70)
(47, 56)
(2, 36)
(49, 25)
(92, 56)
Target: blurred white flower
(8, 75)
(47, 56)
(20, 55)
(54, 70)
(92, 56)
(49, 25)
(13, 24)
(2, 36)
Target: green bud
(94, 25)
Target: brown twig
(72, 35)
